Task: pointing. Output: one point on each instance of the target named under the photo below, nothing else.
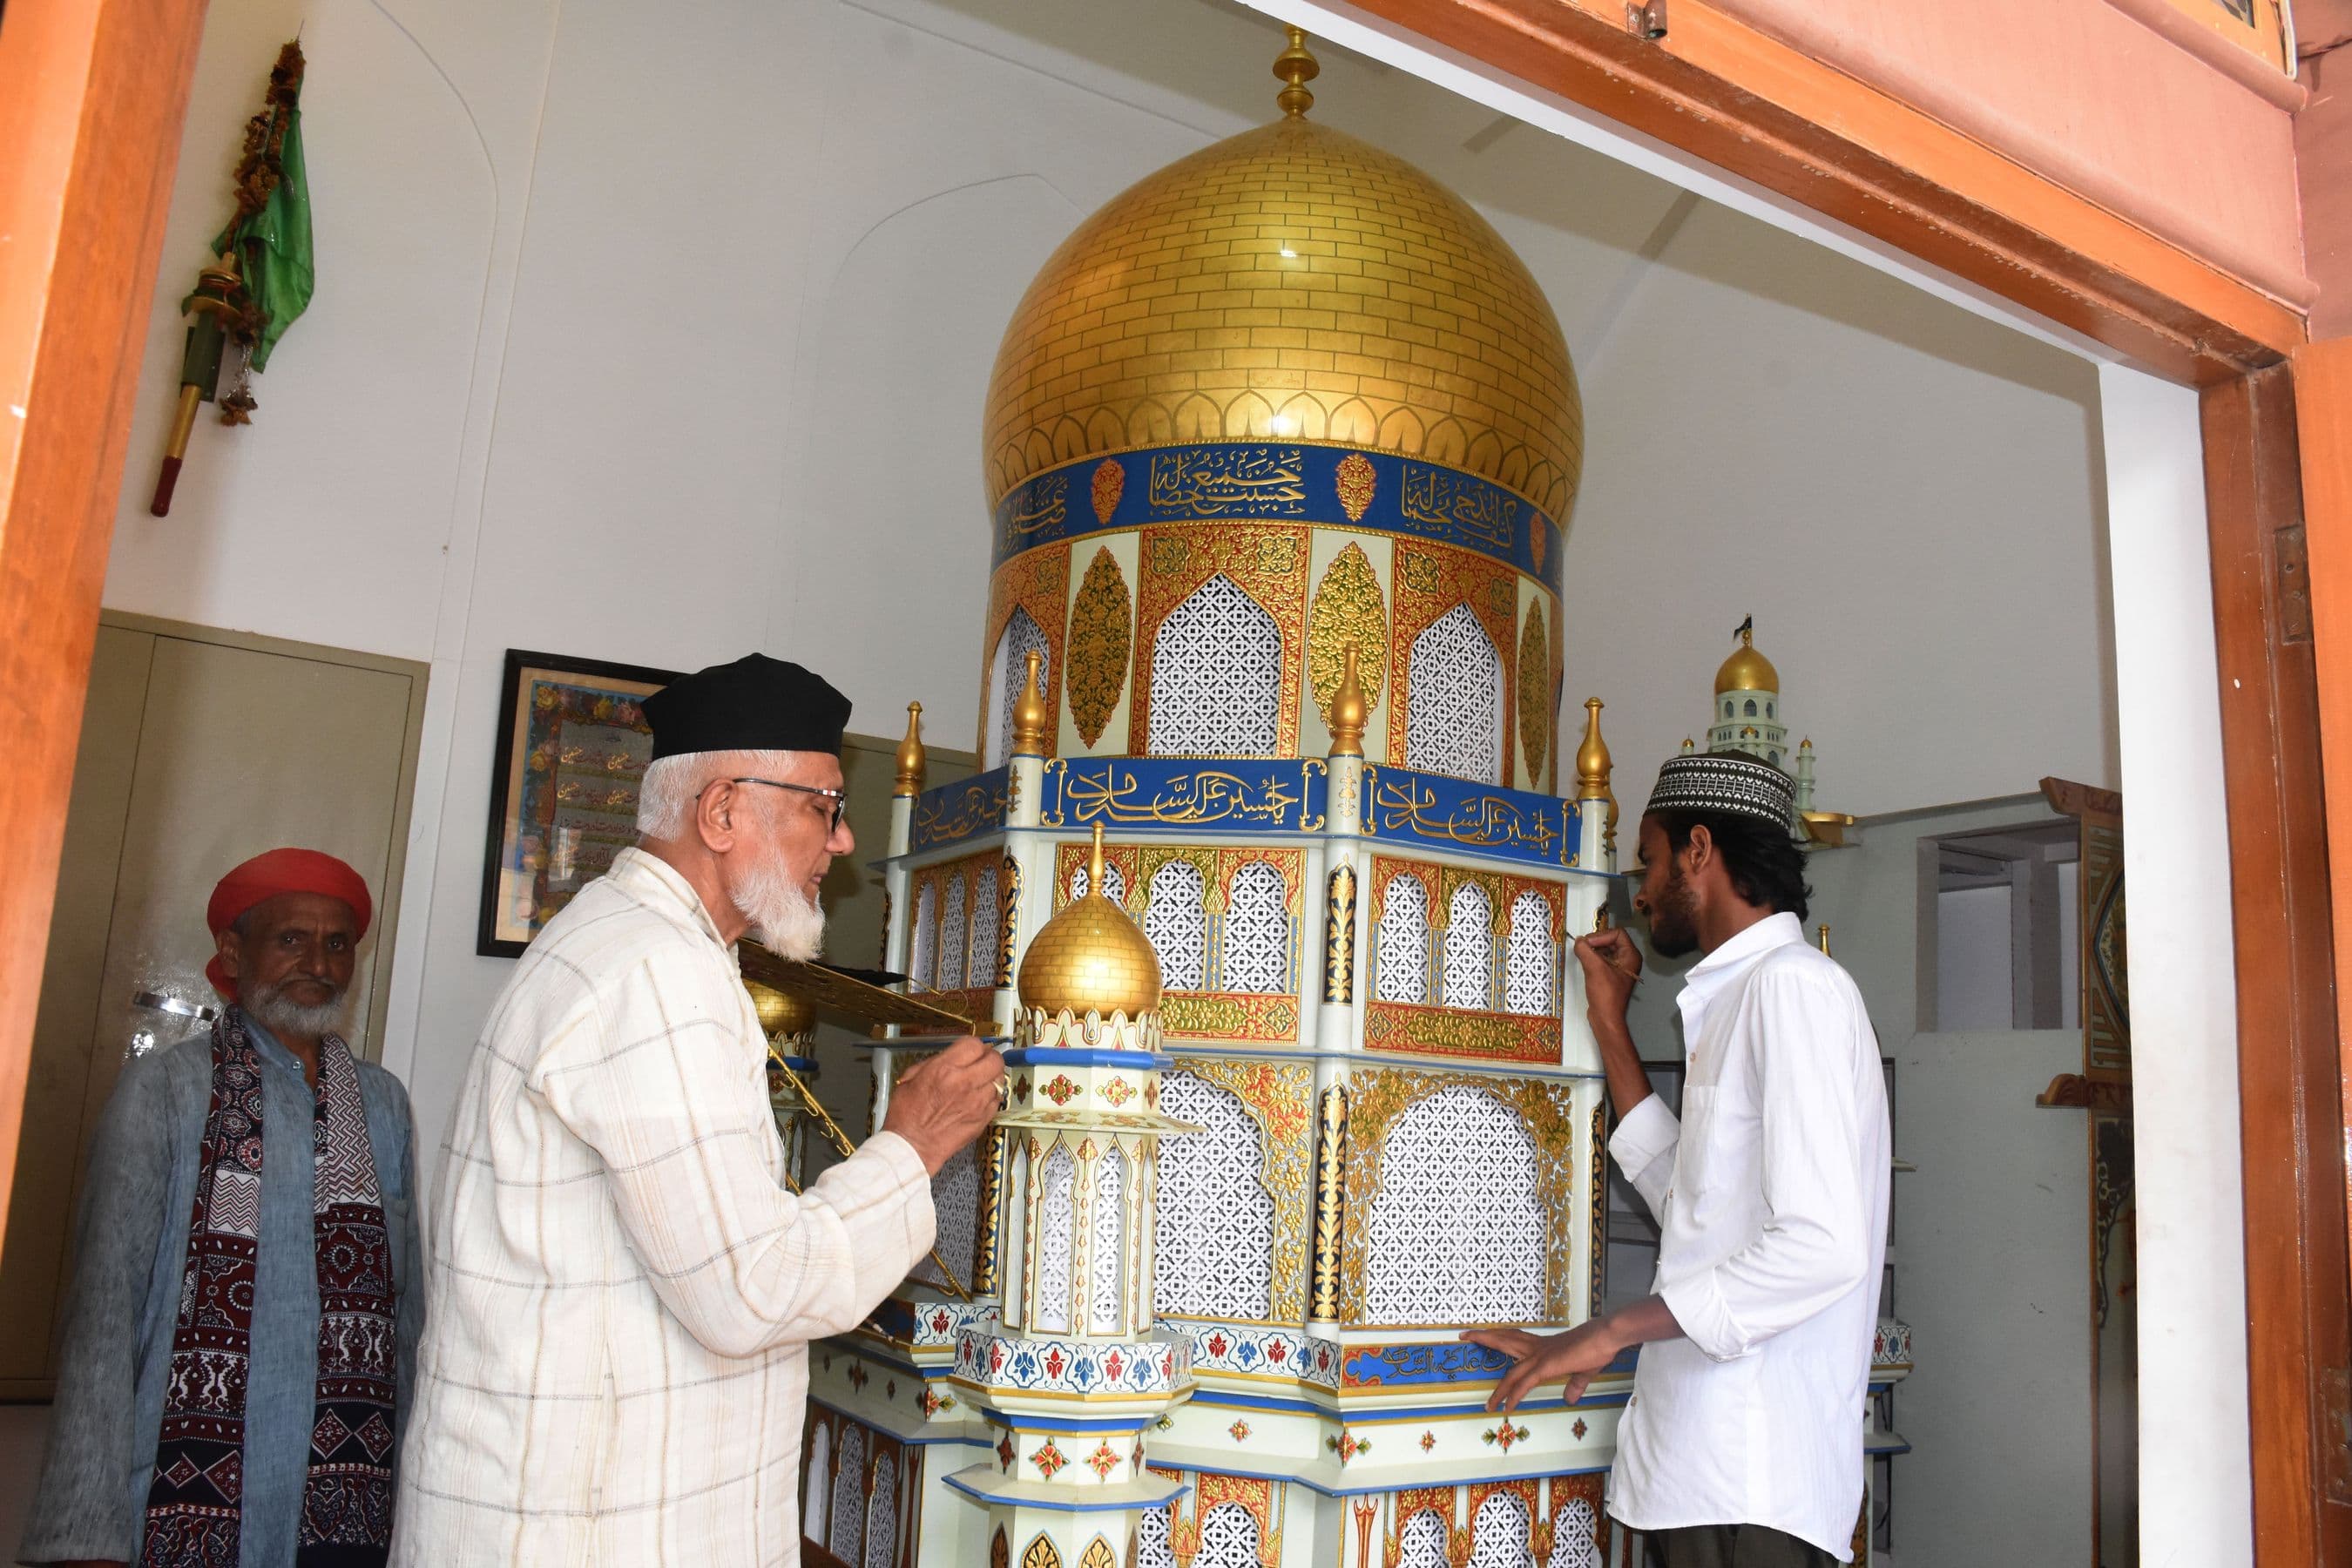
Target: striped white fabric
(615, 1364)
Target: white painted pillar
(2195, 1490)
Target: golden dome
(1745, 670)
(1091, 958)
(1289, 283)
(781, 1013)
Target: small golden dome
(1745, 670)
(781, 1013)
(1290, 283)
(1091, 958)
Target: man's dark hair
(1765, 865)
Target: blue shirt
(131, 1253)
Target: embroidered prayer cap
(755, 704)
(270, 874)
(1729, 782)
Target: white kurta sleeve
(1643, 1147)
(654, 1081)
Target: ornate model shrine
(1269, 881)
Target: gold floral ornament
(1535, 693)
(1109, 484)
(1348, 606)
(1101, 633)
(1357, 481)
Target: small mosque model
(1747, 717)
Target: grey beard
(269, 1007)
(785, 920)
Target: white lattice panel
(1151, 1547)
(1423, 1540)
(1114, 882)
(882, 1514)
(1499, 1535)
(987, 924)
(954, 936)
(1454, 711)
(1006, 673)
(1105, 1250)
(849, 1495)
(1401, 962)
(818, 1492)
(955, 1200)
(1215, 1228)
(1217, 677)
(1528, 983)
(1057, 1220)
(1228, 1538)
(1575, 1537)
(1460, 1151)
(1469, 957)
(1176, 923)
(924, 964)
(1256, 951)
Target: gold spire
(1825, 937)
(1592, 757)
(911, 761)
(1091, 958)
(1348, 706)
(1745, 670)
(1295, 67)
(1029, 711)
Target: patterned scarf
(193, 1503)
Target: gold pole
(840, 1140)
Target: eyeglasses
(839, 798)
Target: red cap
(267, 876)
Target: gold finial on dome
(1348, 707)
(911, 761)
(1296, 68)
(1091, 958)
(780, 1012)
(1029, 711)
(1592, 763)
(1745, 670)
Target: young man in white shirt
(1741, 1445)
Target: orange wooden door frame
(93, 93)
(92, 97)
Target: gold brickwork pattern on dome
(1290, 283)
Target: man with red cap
(246, 1298)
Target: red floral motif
(1109, 483)
(1005, 1451)
(1428, 1441)
(1240, 1429)
(1276, 1351)
(1152, 1095)
(1168, 1363)
(890, 1389)
(995, 1359)
(1118, 1092)
(1053, 1363)
(1112, 1366)
(1020, 1087)
(1322, 1359)
(1580, 1427)
(1103, 1461)
(858, 1376)
(1347, 1445)
(1217, 1344)
(1061, 1091)
(934, 1402)
(1506, 1435)
(1048, 1458)
(939, 1322)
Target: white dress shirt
(614, 1367)
(1771, 1195)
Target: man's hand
(1576, 1355)
(941, 1104)
(1611, 963)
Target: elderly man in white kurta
(622, 1284)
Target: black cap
(755, 704)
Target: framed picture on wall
(572, 745)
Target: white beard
(787, 921)
(270, 1007)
